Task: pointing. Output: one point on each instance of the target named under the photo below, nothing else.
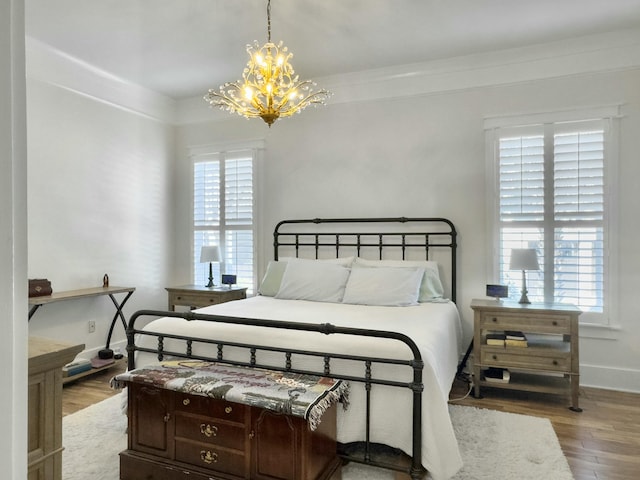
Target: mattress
(434, 327)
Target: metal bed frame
(433, 233)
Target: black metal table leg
(115, 317)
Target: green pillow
(272, 278)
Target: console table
(37, 302)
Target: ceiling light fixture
(269, 88)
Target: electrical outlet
(92, 326)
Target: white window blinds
(551, 181)
(223, 214)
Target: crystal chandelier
(270, 89)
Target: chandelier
(269, 89)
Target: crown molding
(54, 67)
(582, 55)
(576, 56)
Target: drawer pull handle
(555, 323)
(186, 402)
(208, 430)
(495, 357)
(228, 409)
(555, 362)
(167, 417)
(179, 298)
(494, 319)
(207, 457)
(252, 434)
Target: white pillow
(272, 278)
(431, 286)
(344, 261)
(386, 286)
(317, 281)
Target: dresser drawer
(209, 407)
(535, 323)
(560, 363)
(211, 457)
(211, 431)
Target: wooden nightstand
(195, 296)
(550, 362)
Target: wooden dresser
(174, 435)
(46, 359)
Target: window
(551, 186)
(224, 214)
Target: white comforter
(434, 327)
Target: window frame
(609, 115)
(215, 152)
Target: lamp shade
(210, 254)
(524, 259)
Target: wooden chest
(174, 435)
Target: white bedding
(434, 327)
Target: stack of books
(496, 339)
(515, 339)
(509, 338)
(76, 367)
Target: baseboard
(620, 379)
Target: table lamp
(210, 253)
(524, 259)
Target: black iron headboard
(385, 238)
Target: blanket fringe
(338, 394)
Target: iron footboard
(367, 363)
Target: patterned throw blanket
(305, 396)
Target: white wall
(13, 251)
(424, 155)
(100, 201)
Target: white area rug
(494, 446)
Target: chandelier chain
(269, 21)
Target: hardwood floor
(89, 390)
(600, 443)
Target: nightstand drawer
(561, 363)
(197, 300)
(534, 323)
(210, 430)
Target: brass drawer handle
(207, 457)
(186, 402)
(208, 430)
(228, 409)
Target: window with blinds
(551, 181)
(223, 215)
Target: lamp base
(524, 298)
(210, 284)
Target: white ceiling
(180, 48)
